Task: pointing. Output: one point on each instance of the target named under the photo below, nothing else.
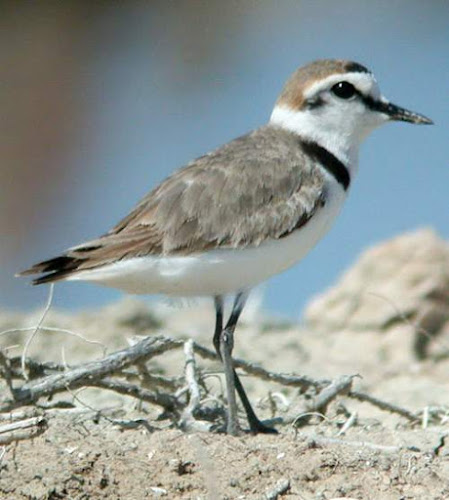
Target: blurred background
(102, 100)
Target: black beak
(400, 114)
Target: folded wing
(260, 186)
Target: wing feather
(260, 186)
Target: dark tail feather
(53, 270)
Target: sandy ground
(84, 454)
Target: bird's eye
(344, 90)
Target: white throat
(342, 145)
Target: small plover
(252, 208)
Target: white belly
(217, 271)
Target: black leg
(255, 425)
(218, 301)
(224, 342)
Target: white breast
(217, 271)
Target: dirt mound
(99, 443)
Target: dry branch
(383, 405)
(319, 404)
(188, 419)
(36, 369)
(302, 382)
(20, 415)
(315, 439)
(116, 371)
(18, 430)
(85, 374)
(6, 372)
(282, 486)
(191, 379)
(150, 379)
(340, 386)
(166, 401)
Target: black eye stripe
(369, 101)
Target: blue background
(160, 86)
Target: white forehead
(364, 82)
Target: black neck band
(329, 161)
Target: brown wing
(257, 187)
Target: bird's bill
(401, 114)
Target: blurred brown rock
(404, 280)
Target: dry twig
(18, 430)
(6, 372)
(282, 486)
(319, 404)
(166, 401)
(302, 382)
(115, 371)
(340, 386)
(383, 405)
(188, 420)
(348, 424)
(191, 379)
(88, 373)
(34, 333)
(315, 439)
(151, 379)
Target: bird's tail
(56, 269)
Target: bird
(232, 218)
